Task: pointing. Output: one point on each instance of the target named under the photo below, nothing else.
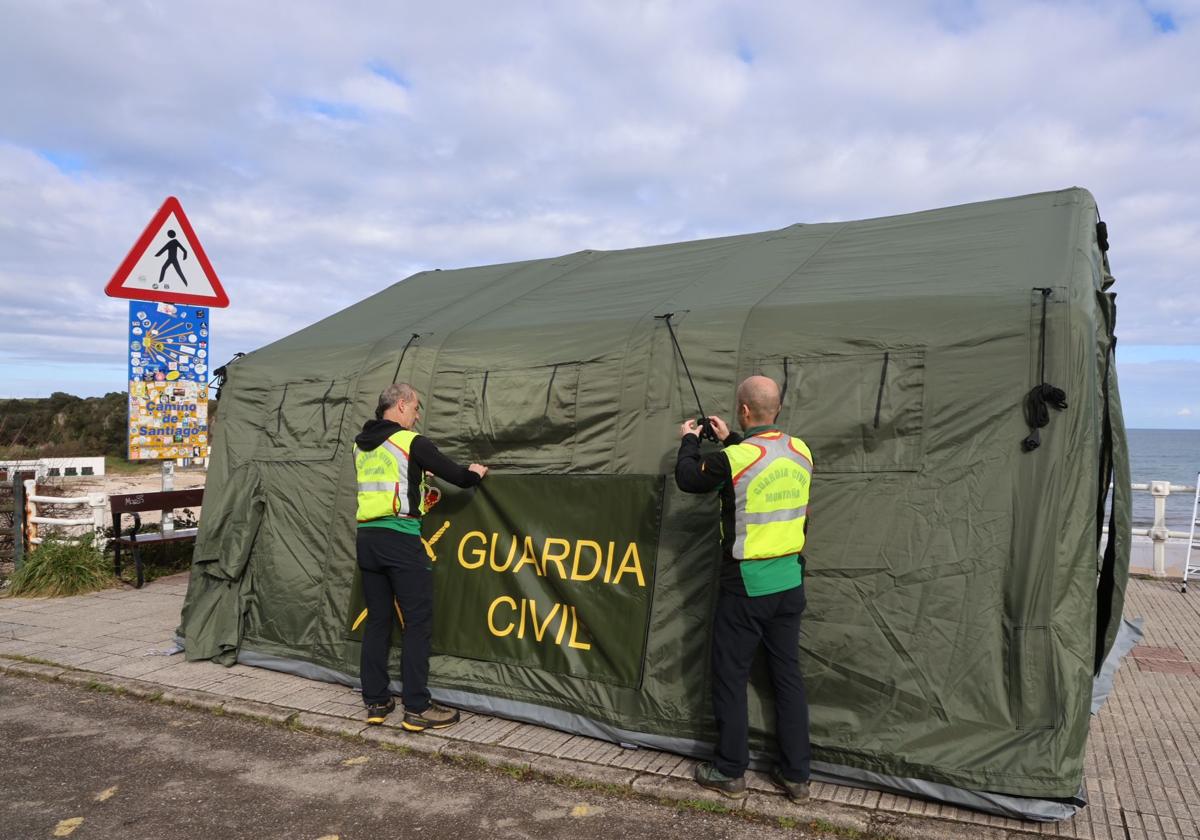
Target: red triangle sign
(167, 264)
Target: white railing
(93, 522)
(1162, 538)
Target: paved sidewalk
(1143, 761)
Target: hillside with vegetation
(63, 425)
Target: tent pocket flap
(303, 420)
(1031, 678)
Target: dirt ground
(113, 484)
(112, 766)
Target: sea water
(1164, 455)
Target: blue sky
(324, 151)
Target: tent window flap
(521, 417)
(858, 413)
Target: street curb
(760, 803)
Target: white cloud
(1183, 412)
(325, 151)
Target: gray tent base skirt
(1016, 807)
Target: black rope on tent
(483, 395)
(1044, 395)
(221, 374)
(549, 389)
(1101, 233)
(783, 390)
(324, 399)
(279, 411)
(882, 382)
(407, 344)
(706, 429)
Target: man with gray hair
(391, 461)
(763, 480)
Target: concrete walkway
(1143, 761)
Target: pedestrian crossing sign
(167, 264)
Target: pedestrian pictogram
(167, 264)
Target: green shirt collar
(758, 430)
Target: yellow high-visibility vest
(772, 473)
(383, 479)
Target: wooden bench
(136, 503)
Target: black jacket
(423, 456)
(696, 474)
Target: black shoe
(795, 791)
(435, 717)
(376, 712)
(710, 777)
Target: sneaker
(710, 777)
(795, 791)
(376, 712)
(435, 717)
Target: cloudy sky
(324, 151)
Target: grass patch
(848, 832)
(31, 660)
(60, 567)
(608, 788)
(788, 822)
(383, 745)
(704, 805)
(104, 688)
(514, 771)
(120, 466)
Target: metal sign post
(168, 483)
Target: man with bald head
(763, 479)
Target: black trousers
(395, 565)
(739, 625)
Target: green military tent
(961, 593)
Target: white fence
(89, 521)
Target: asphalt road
(84, 764)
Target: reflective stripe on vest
(772, 473)
(383, 479)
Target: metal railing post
(1160, 490)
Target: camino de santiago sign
(551, 572)
(168, 381)
(172, 287)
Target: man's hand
(479, 469)
(719, 427)
(689, 427)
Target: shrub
(61, 567)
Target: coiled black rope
(1043, 396)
